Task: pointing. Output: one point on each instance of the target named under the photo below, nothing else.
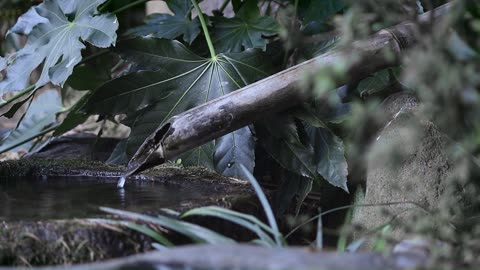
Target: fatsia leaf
(40, 114)
(171, 26)
(15, 107)
(374, 83)
(232, 150)
(173, 81)
(245, 30)
(329, 152)
(200, 156)
(329, 156)
(74, 117)
(315, 10)
(56, 29)
(279, 137)
(3, 63)
(87, 78)
(292, 186)
(119, 154)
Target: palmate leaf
(329, 153)
(279, 137)
(175, 80)
(3, 63)
(56, 29)
(319, 11)
(245, 30)
(171, 26)
(321, 155)
(40, 114)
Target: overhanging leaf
(315, 10)
(329, 156)
(15, 107)
(234, 149)
(3, 63)
(329, 152)
(41, 114)
(245, 30)
(178, 80)
(87, 78)
(279, 136)
(292, 186)
(374, 83)
(56, 29)
(74, 117)
(171, 26)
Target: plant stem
(18, 95)
(224, 5)
(41, 133)
(205, 30)
(127, 6)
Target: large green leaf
(235, 149)
(40, 114)
(279, 136)
(3, 63)
(171, 26)
(172, 81)
(55, 32)
(319, 10)
(329, 153)
(292, 186)
(245, 30)
(374, 83)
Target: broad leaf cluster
(163, 70)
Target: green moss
(35, 167)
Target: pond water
(80, 197)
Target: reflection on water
(80, 197)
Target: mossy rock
(407, 172)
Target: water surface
(80, 197)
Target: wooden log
(256, 257)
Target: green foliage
(197, 233)
(319, 11)
(246, 221)
(268, 235)
(171, 26)
(55, 31)
(41, 114)
(243, 31)
(163, 74)
(172, 79)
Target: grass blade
(193, 231)
(249, 222)
(265, 204)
